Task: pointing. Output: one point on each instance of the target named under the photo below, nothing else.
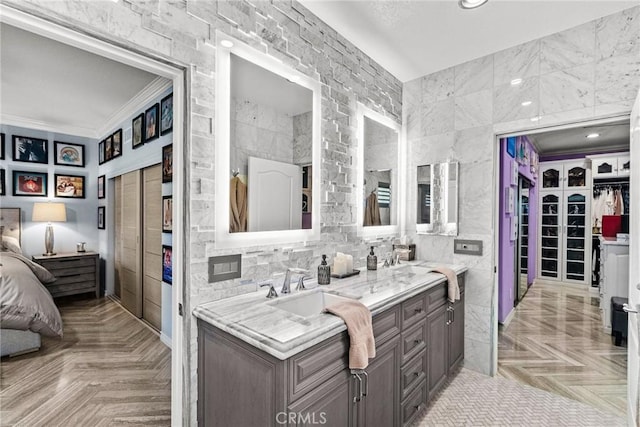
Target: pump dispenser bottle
(324, 272)
(372, 261)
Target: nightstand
(76, 273)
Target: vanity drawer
(414, 404)
(436, 297)
(312, 367)
(386, 325)
(413, 373)
(413, 310)
(414, 341)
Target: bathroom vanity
(260, 364)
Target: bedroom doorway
(175, 73)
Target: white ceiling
(414, 38)
(613, 137)
(50, 85)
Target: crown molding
(134, 106)
(26, 122)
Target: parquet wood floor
(109, 369)
(555, 342)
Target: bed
(27, 310)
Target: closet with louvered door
(565, 235)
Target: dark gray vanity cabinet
(241, 385)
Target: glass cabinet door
(550, 231)
(576, 176)
(550, 177)
(576, 212)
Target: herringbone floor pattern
(476, 400)
(109, 369)
(555, 342)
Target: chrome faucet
(272, 292)
(286, 286)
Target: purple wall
(506, 262)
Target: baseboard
(166, 340)
(509, 317)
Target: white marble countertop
(613, 241)
(256, 320)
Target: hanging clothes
(237, 205)
(372, 211)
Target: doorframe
(177, 73)
(501, 131)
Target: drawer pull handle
(417, 407)
(416, 374)
(418, 310)
(417, 342)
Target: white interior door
(633, 349)
(274, 195)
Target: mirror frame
(442, 228)
(225, 239)
(422, 227)
(363, 111)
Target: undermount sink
(308, 304)
(413, 269)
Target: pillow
(11, 244)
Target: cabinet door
(380, 406)
(604, 167)
(550, 234)
(551, 176)
(624, 165)
(575, 175)
(456, 333)
(576, 240)
(438, 348)
(330, 404)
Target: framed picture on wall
(167, 259)
(1, 146)
(68, 154)
(166, 114)
(151, 123)
(31, 184)
(101, 152)
(3, 183)
(101, 187)
(137, 127)
(101, 217)
(71, 186)
(167, 163)
(31, 150)
(167, 214)
(509, 200)
(515, 173)
(108, 149)
(116, 142)
(511, 146)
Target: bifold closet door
(550, 235)
(152, 245)
(130, 268)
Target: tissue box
(406, 256)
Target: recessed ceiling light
(516, 82)
(226, 43)
(593, 135)
(471, 4)
(526, 103)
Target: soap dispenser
(372, 261)
(324, 272)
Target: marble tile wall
(586, 72)
(183, 32)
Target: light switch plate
(467, 247)
(225, 267)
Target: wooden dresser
(76, 273)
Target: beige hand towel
(452, 278)
(362, 345)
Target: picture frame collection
(35, 183)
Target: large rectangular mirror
(267, 149)
(379, 143)
(438, 199)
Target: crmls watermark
(307, 418)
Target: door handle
(366, 384)
(359, 397)
(626, 308)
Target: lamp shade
(49, 212)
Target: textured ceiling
(415, 38)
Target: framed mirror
(267, 149)
(437, 207)
(378, 177)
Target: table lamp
(49, 212)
